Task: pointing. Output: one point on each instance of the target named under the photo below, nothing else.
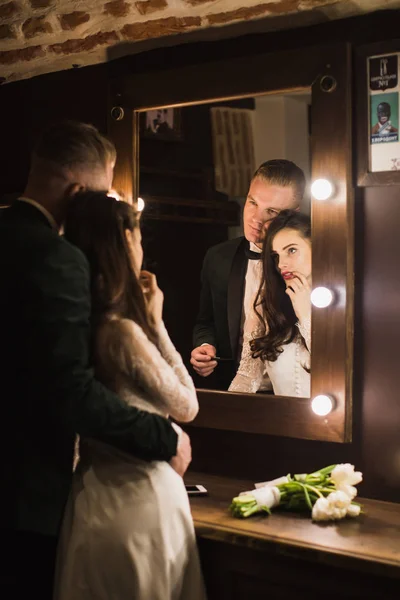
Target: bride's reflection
(231, 277)
(277, 332)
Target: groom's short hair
(284, 173)
(72, 145)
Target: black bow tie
(252, 255)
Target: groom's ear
(73, 189)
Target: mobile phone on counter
(196, 490)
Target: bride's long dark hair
(272, 305)
(96, 224)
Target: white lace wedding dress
(287, 374)
(128, 531)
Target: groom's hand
(183, 457)
(202, 359)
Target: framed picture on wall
(377, 106)
(162, 124)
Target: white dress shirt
(252, 283)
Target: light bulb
(321, 297)
(140, 204)
(322, 405)
(113, 194)
(321, 189)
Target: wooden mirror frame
(332, 220)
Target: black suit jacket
(221, 302)
(48, 392)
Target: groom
(231, 272)
(48, 392)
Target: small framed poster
(162, 124)
(377, 108)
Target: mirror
(197, 212)
(195, 169)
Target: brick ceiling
(40, 36)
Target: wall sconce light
(322, 405)
(321, 297)
(321, 189)
(140, 204)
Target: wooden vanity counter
(286, 553)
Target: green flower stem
(313, 489)
(307, 497)
(324, 471)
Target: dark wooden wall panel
(380, 311)
(28, 106)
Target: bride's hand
(153, 296)
(299, 291)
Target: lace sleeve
(250, 372)
(305, 331)
(160, 372)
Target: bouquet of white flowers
(328, 494)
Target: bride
(127, 530)
(277, 339)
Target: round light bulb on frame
(140, 204)
(113, 194)
(321, 297)
(321, 189)
(322, 405)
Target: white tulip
(322, 510)
(353, 510)
(349, 490)
(331, 508)
(339, 499)
(345, 475)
